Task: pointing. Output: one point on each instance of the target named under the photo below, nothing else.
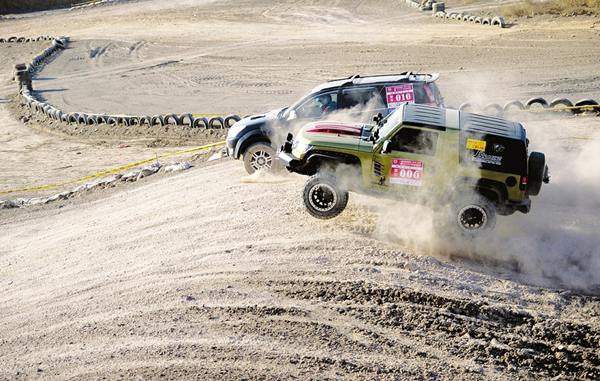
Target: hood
(254, 121)
(333, 134)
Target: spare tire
(536, 168)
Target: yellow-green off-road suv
(473, 166)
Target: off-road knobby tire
(260, 157)
(535, 175)
(324, 196)
(472, 215)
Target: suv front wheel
(323, 196)
(472, 215)
(260, 157)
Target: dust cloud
(557, 244)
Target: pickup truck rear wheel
(260, 157)
(473, 215)
(323, 196)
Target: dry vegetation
(554, 7)
(24, 5)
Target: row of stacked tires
(185, 119)
(25, 39)
(22, 74)
(439, 11)
(492, 21)
(534, 104)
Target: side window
(361, 98)
(318, 106)
(412, 140)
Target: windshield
(389, 122)
(286, 112)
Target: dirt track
(209, 274)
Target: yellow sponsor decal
(478, 145)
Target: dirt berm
(208, 274)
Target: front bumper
(291, 163)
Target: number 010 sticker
(406, 172)
(396, 95)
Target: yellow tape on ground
(115, 170)
(582, 108)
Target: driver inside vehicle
(327, 105)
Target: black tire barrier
(473, 107)
(92, 120)
(157, 120)
(171, 117)
(499, 21)
(216, 122)
(493, 106)
(496, 21)
(200, 122)
(517, 104)
(39, 107)
(146, 120)
(230, 120)
(124, 120)
(189, 117)
(538, 100)
(585, 104)
(560, 101)
(12, 39)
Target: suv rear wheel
(323, 196)
(260, 157)
(473, 215)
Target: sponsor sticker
(406, 172)
(396, 95)
(482, 157)
(478, 145)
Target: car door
(407, 165)
(359, 104)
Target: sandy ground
(211, 274)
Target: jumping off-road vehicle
(472, 166)
(356, 99)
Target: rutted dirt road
(210, 274)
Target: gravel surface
(210, 274)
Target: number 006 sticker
(406, 172)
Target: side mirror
(292, 115)
(386, 147)
(377, 118)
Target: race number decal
(406, 172)
(396, 95)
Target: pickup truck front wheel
(260, 157)
(473, 215)
(324, 196)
